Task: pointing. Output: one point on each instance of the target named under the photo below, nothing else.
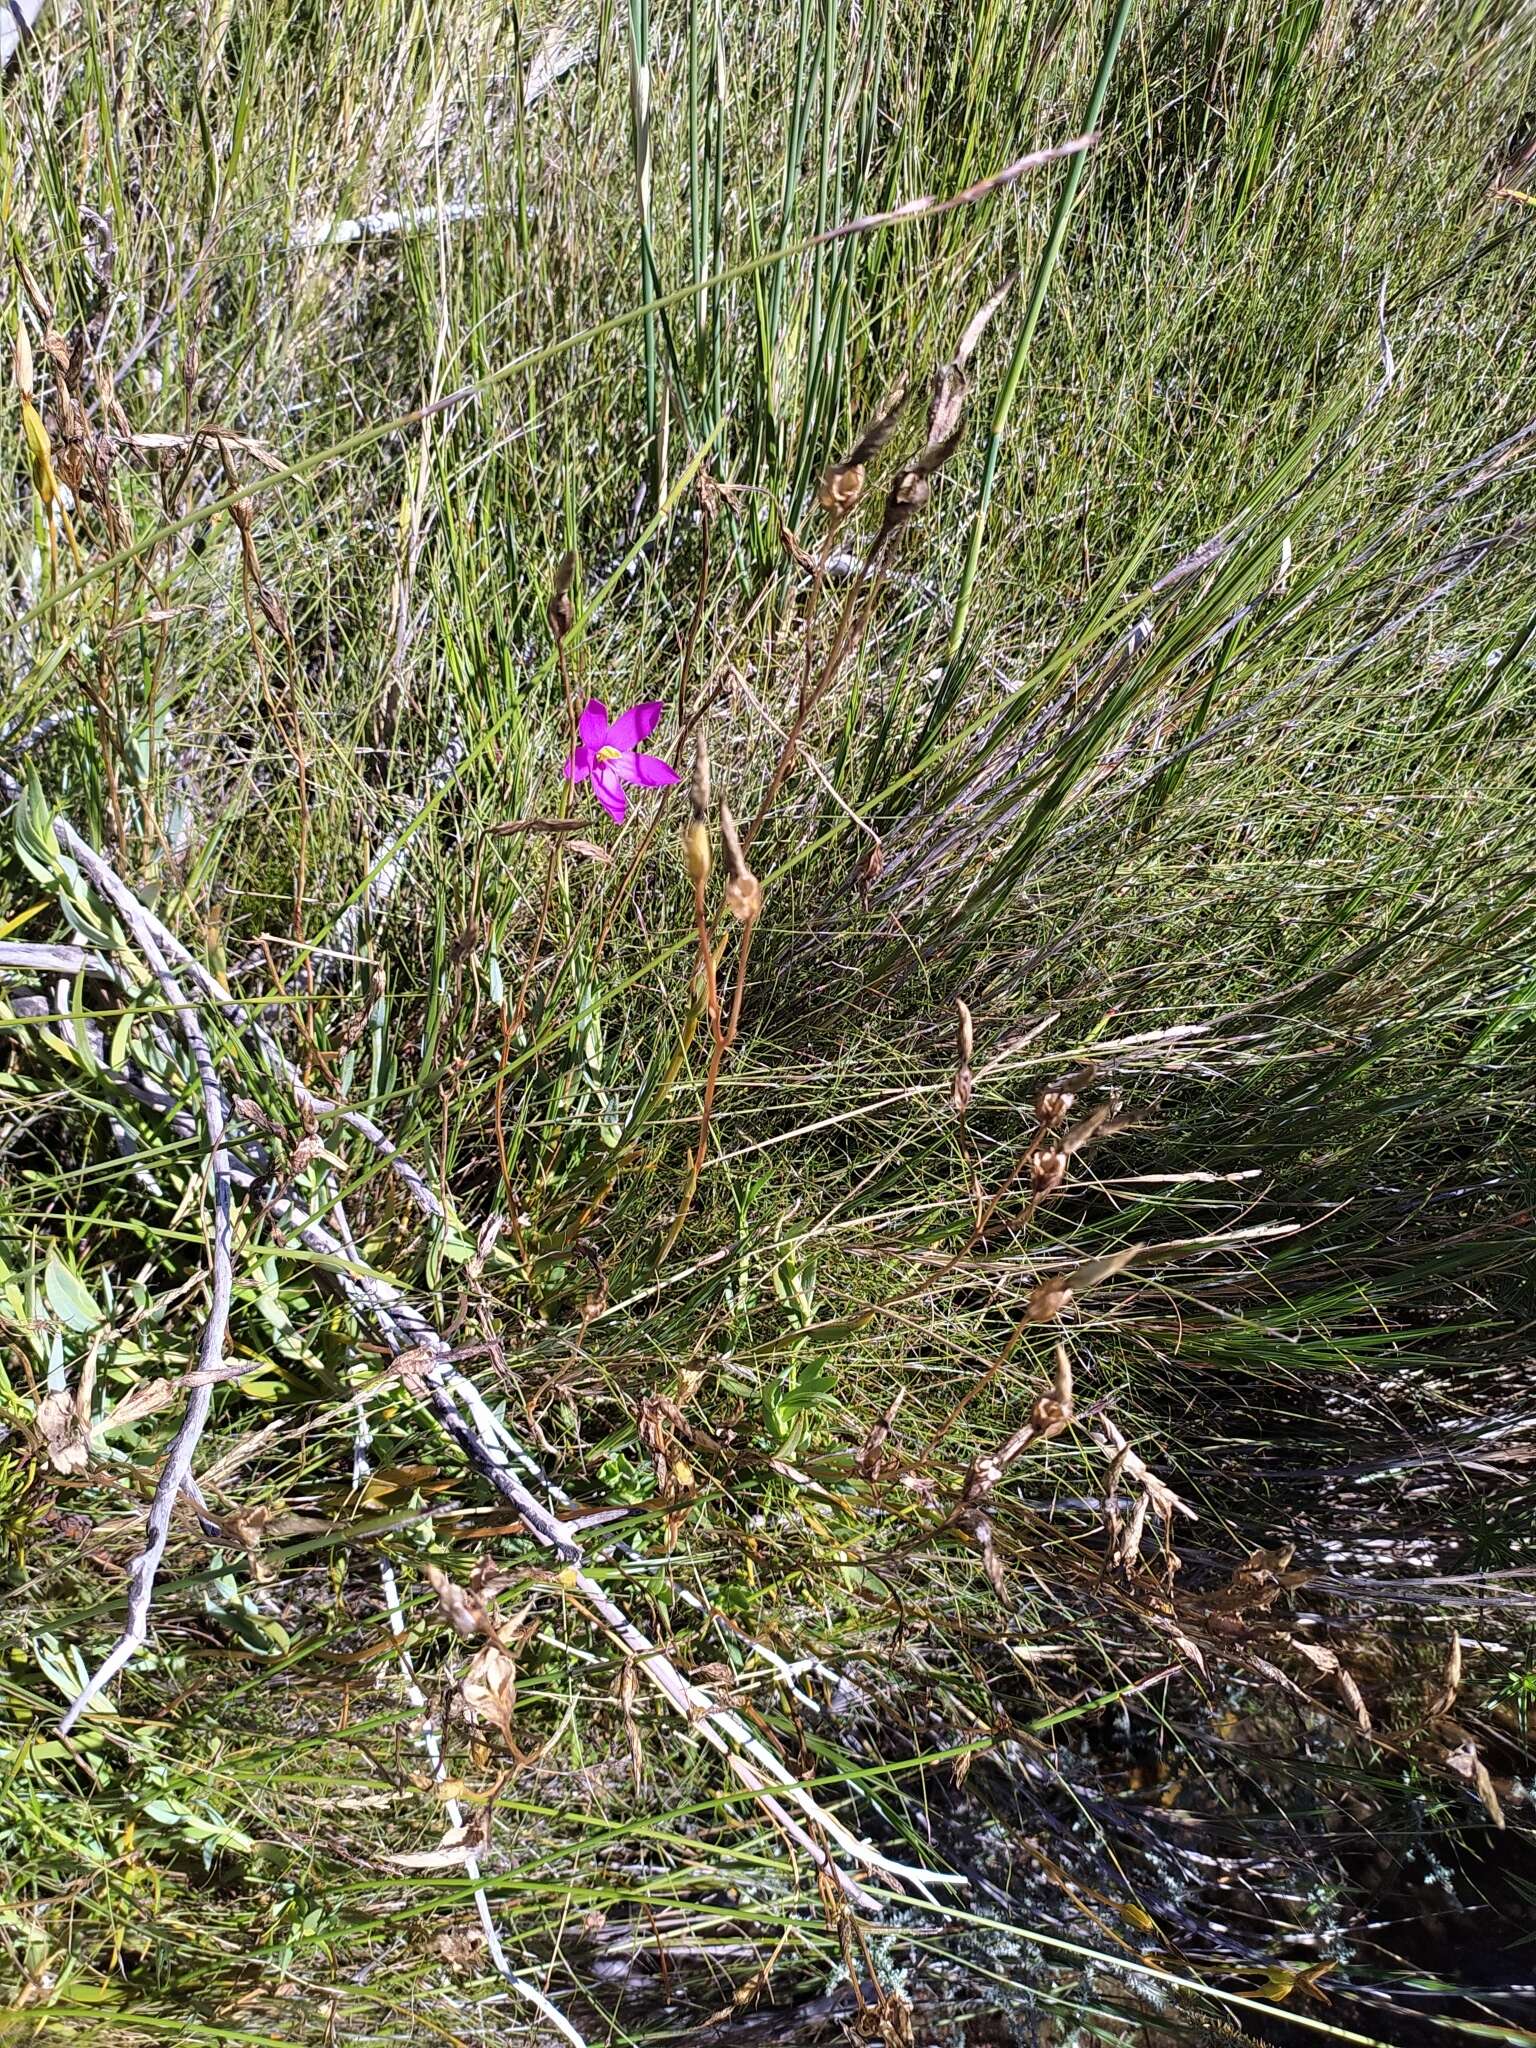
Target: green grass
(1250, 841)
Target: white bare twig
(177, 1471)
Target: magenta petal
(592, 730)
(634, 725)
(578, 765)
(650, 771)
(609, 794)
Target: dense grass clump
(890, 1400)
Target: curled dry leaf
(144, 1399)
(63, 1435)
(1466, 1763)
(978, 1527)
(1124, 1460)
(629, 1687)
(981, 320)
(1450, 1682)
(869, 1460)
(1129, 1551)
(489, 1690)
(464, 1609)
(457, 1847)
(1325, 1660)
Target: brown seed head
(841, 488)
(743, 891)
(965, 1033)
(1053, 1103)
(1047, 1169)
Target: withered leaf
(147, 1398)
(63, 1435)
(489, 1690)
(464, 1609)
(1466, 1763)
(1450, 1683)
(454, 1850)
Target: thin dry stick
(177, 1470)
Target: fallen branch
(177, 1471)
(454, 1400)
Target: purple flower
(607, 755)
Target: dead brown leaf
(63, 1434)
(1466, 1763)
(456, 1848)
(489, 1690)
(466, 1610)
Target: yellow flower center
(608, 753)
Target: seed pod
(743, 891)
(21, 358)
(561, 612)
(867, 874)
(1049, 1300)
(1052, 1104)
(908, 495)
(698, 855)
(842, 485)
(1057, 1097)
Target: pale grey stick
(177, 1471)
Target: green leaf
(69, 1297)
